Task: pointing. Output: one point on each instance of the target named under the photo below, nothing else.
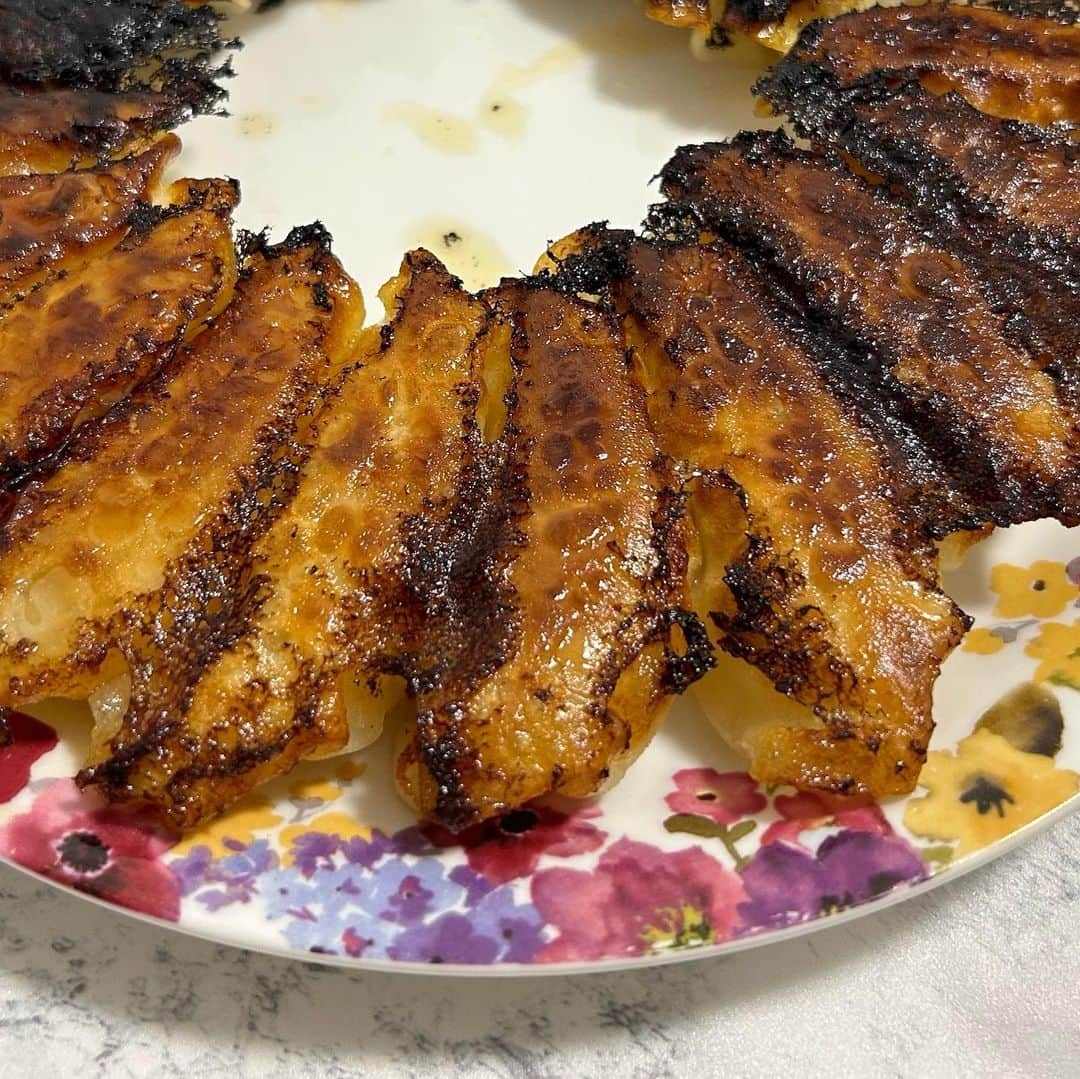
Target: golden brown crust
(312, 603)
(688, 14)
(54, 222)
(53, 128)
(1020, 67)
(585, 556)
(81, 559)
(79, 342)
(811, 567)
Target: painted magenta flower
(638, 899)
(1041, 590)
(26, 741)
(108, 851)
(507, 847)
(984, 791)
(723, 797)
(787, 884)
(806, 810)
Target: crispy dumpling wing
(98, 44)
(83, 82)
(52, 128)
(57, 221)
(1001, 193)
(183, 473)
(563, 621)
(80, 341)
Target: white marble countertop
(981, 977)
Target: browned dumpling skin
(57, 221)
(809, 564)
(181, 474)
(81, 341)
(1000, 193)
(689, 14)
(932, 341)
(476, 547)
(321, 597)
(1017, 66)
(562, 638)
(773, 23)
(53, 128)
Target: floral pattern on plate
(704, 856)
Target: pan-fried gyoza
(249, 530)
(1001, 193)
(54, 222)
(810, 561)
(431, 528)
(168, 488)
(83, 339)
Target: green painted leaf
(939, 856)
(694, 825)
(741, 830)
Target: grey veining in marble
(981, 977)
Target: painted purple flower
(723, 797)
(407, 908)
(407, 893)
(786, 884)
(237, 874)
(497, 930)
(508, 847)
(638, 899)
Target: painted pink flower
(723, 797)
(75, 838)
(26, 741)
(638, 899)
(507, 847)
(806, 810)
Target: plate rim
(954, 871)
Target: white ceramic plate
(484, 129)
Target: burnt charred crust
(994, 485)
(99, 44)
(748, 14)
(789, 644)
(1030, 273)
(685, 667)
(442, 752)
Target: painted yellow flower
(983, 642)
(1042, 590)
(986, 791)
(252, 814)
(320, 789)
(349, 770)
(1057, 647)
